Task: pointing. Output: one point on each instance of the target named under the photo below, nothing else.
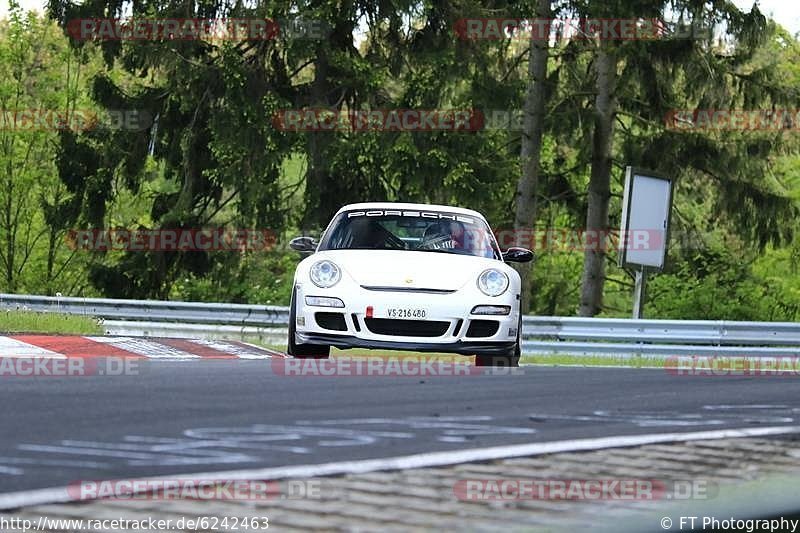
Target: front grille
(406, 289)
(407, 328)
(332, 321)
(482, 328)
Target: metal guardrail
(629, 337)
(153, 310)
(541, 335)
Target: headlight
(492, 282)
(325, 274)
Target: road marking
(240, 350)
(196, 348)
(723, 415)
(145, 347)
(454, 428)
(10, 347)
(755, 406)
(584, 365)
(227, 445)
(76, 346)
(53, 495)
(53, 462)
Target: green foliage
(212, 157)
(264, 278)
(44, 79)
(52, 323)
(712, 284)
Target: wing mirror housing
(304, 245)
(517, 255)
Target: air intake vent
(482, 328)
(332, 321)
(407, 328)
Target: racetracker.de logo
(545, 29)
(67, 367)
(733, 120)
(382, 366)
(74, 120)
(194, 489)
(730, 366)
(194, 29)
(321, 119)
(171, 240)
(578, 239)
(582, 489)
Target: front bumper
(459, 347)
(449, 326)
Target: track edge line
(54, 495)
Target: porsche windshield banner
(416, 214)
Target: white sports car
(402, 276)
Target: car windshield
(424, 231)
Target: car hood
(409, 269)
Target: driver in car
(371, 235)
(444, 234)
(452, 235)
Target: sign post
(644, 229)
(638, 292)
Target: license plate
(410, 313)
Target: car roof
(408, 206)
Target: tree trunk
(10, 228)
(599, 193)
(530, 152)
(317, 171)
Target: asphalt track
(204, 416)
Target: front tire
(509, 360)
(302, 351)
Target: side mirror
(517, 255)
(303, 244)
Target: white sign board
(644, 231)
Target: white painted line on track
(240, 350)
(273, 353)
(15, 500)
(158, 349)
(14, 348)
(578, 365)
(145, 348)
